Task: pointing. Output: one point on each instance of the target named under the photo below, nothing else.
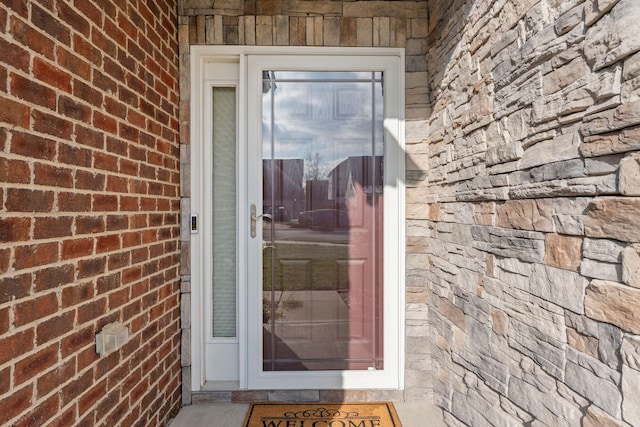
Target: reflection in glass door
(322, 170)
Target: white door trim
(249, 377)
(202, 81)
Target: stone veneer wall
(89, 211)
(317, 23)
(533, 230)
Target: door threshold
(219, 395)
(221, 386)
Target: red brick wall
(89, 211)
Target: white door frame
(392, 377)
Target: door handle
(265, 246)
(255, 218)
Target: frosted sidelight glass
(224, 212)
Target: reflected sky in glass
(322, 117)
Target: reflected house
(317, 194)
(348, 185)
(354, 184)
(285, 178)
(341, 200)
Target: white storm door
(325, 219)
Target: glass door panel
(322, 172)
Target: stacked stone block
(89, 205)
(531, 213)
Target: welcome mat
(314, 414)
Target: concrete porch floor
(233, 414)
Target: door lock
(255, 218)
(194, 223)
